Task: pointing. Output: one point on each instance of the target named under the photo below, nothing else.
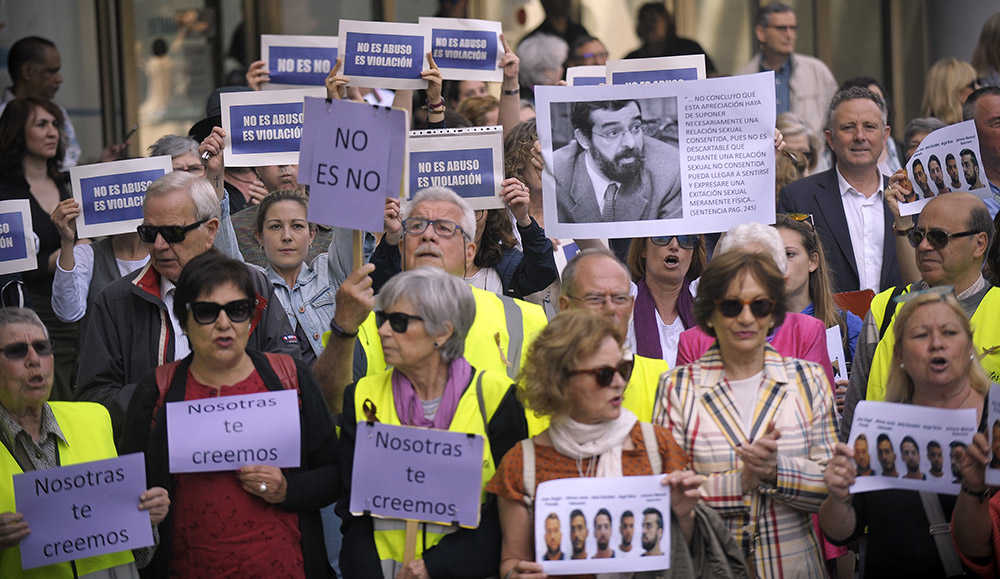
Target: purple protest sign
(468, 161)
(383, 54)
(401, 472)
(83, 510)
(465, 49)
(298, 60)
(264, 127)
(656, 70)
(649, 76)
(17, 250)
(111, 194)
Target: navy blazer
(819, 195)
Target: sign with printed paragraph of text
(602, 525)
(469, 161)
(903, 446)
(17, 239)
(591, 75)
(993, 437)
(297, 60)
(83, 510)
(465, 49)
(384, 54)
(947, 160)
(227, 432)
(654, 70)
(353, 157)
(264, 127)
(402, 472)
(111, 194)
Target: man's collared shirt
(866, 225)
(28, 453)
(993, 201)
(598, 180)
(782, 84)
(181, 346)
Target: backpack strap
(940, 531)
(482, 402)
(652, 447)
(528, 452)
(890, 311)
(284, 367)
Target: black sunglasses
(731, 308)
(18, 350)
(398, 321)
(605, 374)
(936, 237)
(205, 313)
(685, 241)
(170, 233)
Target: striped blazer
(771, 523)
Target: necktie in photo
(608, 214)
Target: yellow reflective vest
(472, 415)
(87, 428)
(985, 323)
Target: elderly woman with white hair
(423, 317)
(798, 336)
(541, 62)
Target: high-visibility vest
(87, 427)
(985, 324)
(472, 415)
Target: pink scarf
(411, 412)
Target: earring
(436, 345)
(901, 366)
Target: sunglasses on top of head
(604, 375)
(732, 308)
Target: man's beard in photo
(602, 545)
(612, 168)
(648, 545)
(552, 554)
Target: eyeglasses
(194, 168)
(446, 228)
(398, 321)
(937, 238)
(605, 374)
(205, 313)
(685, 241)
(170, 233)
(802, 218)
(732, 307)
(598, 300)
(635, 129)
(18, 350)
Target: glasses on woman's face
(207, 312)
(19, 350)
(604, 375)
(685, 241)
(398, 321)
(760, 307)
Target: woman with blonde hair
(986, 56)
(949, 82)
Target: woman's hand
(266, 482)
(511, 66)
(414, 570)
(433, 77)
(840, 473)
(64, 217)
(684, 491)
(840, 395)
(355, 299)
(515, 196)
(392, 222)
(156, 500)
(522, 570)
(760, 459)
(779, 140)
(972, 463)
(257, 75)
(335, 83)
(256, 190)
(13, 528)
(899, 189)
(213, 144)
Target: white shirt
(745, 398)
(71, 288)
(866, 225)
(670, 337)
(598, 180)
(488, 279)
(181, 346)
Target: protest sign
(402, 472)
(661, 159)
(297, 60)
(914, 446)
(352, 159)
(82, 510)
(228, 432)
(468, 161)
(17, 238)
(465, 49)
(579, 524)
(264, 127)
(384, 54)
(835, 350)
(993, 435)
(111, 194)
(654, 70)
(946, 160)
(590, 75)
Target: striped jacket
(772, 523)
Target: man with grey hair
(132, 327)
(983, 106)
(915, 131)
(802, 84)
(847, 202)
(183, 152)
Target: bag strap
(941, 532)
(284, 367)
(482, 402)
(652, 447)
(528, 452)
(515, 335)
(890, 311)
(164, 376)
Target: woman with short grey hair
(542, 57)
(423, 316)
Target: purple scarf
(647, 334)
(408, 407)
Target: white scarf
(603, 440)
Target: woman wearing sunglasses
(576, 374)
(759, 425)
(663, 269)
(257, 521)
(423, 316)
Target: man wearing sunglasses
(132, 327)
(948, 246)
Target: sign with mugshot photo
(946, 160)
(993, 437)
(602, 525)
(903, 446)
(657, 159)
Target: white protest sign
(655, 70)
(465, 49)
(579, 522)
(82, 510)
(384, 54)
(903, 446)
(660, 159)
(17, 238)
(835, 350)
(993, 435)
(111, 194)
(227, 432)
(421, 474)
(469, 161)
(946, 160)
(264, 127)
(589, 75)
(294, 60)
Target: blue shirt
(782, 85)
(854, 324)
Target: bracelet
(341, 332)
(980, 496)
(514, 91)
(437, 105)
